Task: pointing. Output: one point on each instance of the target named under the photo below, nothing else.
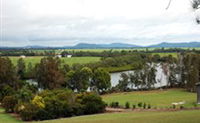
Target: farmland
(70, 61)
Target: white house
(69, 56)
(23, 56)
(58, 56)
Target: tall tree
(21, 68)
(124, 82)
(101, 80)
(8, 74)
(48, 73)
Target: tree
(21, 68)
(124, 82)
(48, 73)
(135, 79)
(30, 71)
(9, 103)
(8, 74)
(151, 77)
(101, 80)
(79, 79)
(84, 76)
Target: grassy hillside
(157, 98)
(7, 118)
(135, 117)
(70, 61)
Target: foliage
(38, 101)
(24, 94)
(8, 74)
(92, 103)
(48, 73)
(101, 80)
(6, 91)
(29, 112)
(127, 105)
(21, 68)
(114, 104)
(9, 103)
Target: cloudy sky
(68, 22)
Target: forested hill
(113, 45)
(165, 44)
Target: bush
(173, 106)
(6, 91)
(133, 106)
(127, 105)
(9, 103)
(140, 104)
(144, 106)
(29, 112)
(181, 107)
(38, 101)
(92, 103)
(149, 106)
(114, 104)
(24, 94)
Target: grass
(156, 98)
(70, 61)
(119, 69)
(6, 118)
(192, 116)
(166, 54)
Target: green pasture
(65, 60)
(166, 54)
(156, 98)
(192, 116)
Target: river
(161, 78)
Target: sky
(68, 22)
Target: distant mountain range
(112, 45)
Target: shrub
(114, 104)
(181, 107)
(18, 108)
(9, 103)
(173, 106)
(133, 106)
(38, 101)
(144, 106)
(149, 106)
(78, 109)
(127, 105)
(92, 103)
(24, 94)
(6, 91)
(140, 104)
(29, 112)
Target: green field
(6, 118)
(70, 61)
(156, 98)
(166, 54)
(135, 117)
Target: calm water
(115, 77)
